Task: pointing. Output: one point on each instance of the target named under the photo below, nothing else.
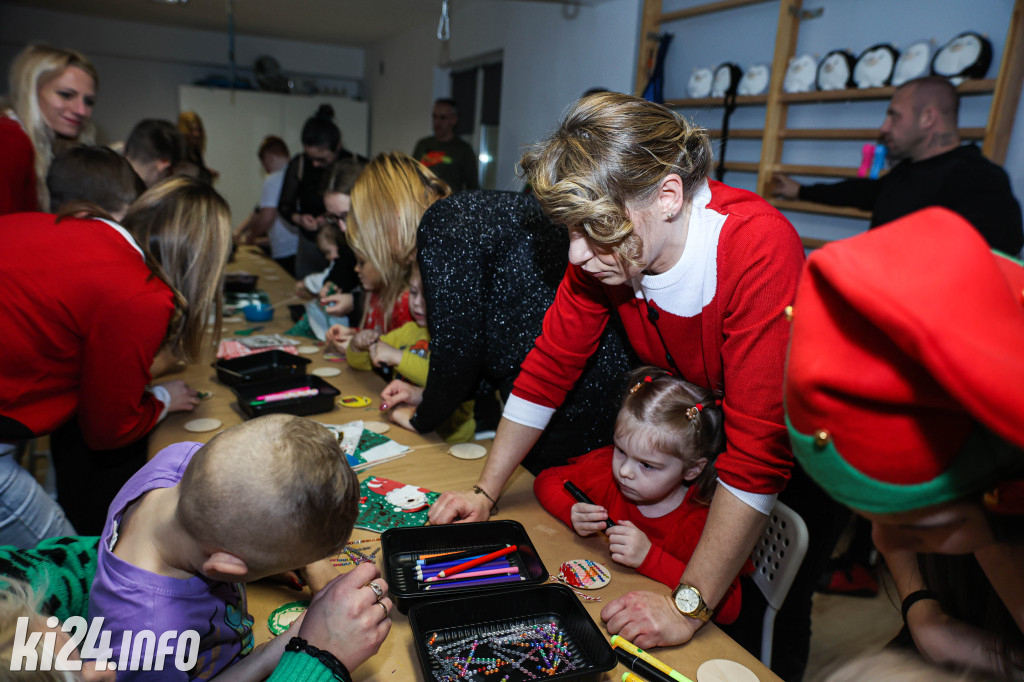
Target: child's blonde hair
(388, 201)
(19, 600)
(683, 420)
(275, 491)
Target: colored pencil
(489, 566)
(478, 574)
(474, 583)
(428, 559)
(473, 563)
(637, 665)
(581, 496)
(434, 568)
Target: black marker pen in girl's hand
(581, 496)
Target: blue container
(258, 312)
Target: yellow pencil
(647, 658)
(630, 677)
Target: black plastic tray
(269, 365)
(240, 282)
(401, 547)
(322, 402)
(477, 616)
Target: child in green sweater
(407, 349)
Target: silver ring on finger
(384, 606)
(377, 590)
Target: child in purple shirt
(197, 521)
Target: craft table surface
(430, 466)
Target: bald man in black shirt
(932, 169)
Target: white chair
(777, 558)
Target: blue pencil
(451, 564)
(427, 573)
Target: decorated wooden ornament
(699, 84)
(966, 56)
(913, 62)
(799, 74)
(584, 574)
(726, 80)
(875, 65)
(755, 80)
(835, 72)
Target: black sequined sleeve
(451, 266)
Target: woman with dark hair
(904, 398)
(301, 202)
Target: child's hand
(301, 291)
(362, 340)
(628, 544)
(399, 392)
(402, 415)
(588, 519)
(382, 353)
(337, 336)
(338, 304)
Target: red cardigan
(17, 169)
(673, 536)
(82, 318)
(721, 314)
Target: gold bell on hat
(787, 312)
(822, 438)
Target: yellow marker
(630, 677)
(648, 659)
(353, 401)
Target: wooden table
(427, 465)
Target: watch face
(687, 600)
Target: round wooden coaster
(283, 616)
(234, 319)
(272, 278)
(723, 670)
(308, 350)
(377, 427)
(326, 371)
(467, 451)
(205, 424)
(585, 574)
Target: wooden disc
(723, 670)
(467, 451)
(377, 427)
(326, 371)
(204, 424)
(585, 574)
(309, 350)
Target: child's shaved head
(275, 491)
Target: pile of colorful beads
(529, 652)
(352, 555)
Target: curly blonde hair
(388, 201)
(611, 149)
(34, 67)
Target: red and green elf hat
(905, 378)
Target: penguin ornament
(755, 80)
(913, 63)
(726, 80)
(699, 84)
(875, 65)
(799, 74)
(835, 72)
(966, 56)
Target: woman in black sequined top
(491, 263)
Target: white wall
(142, 65)
(549, 59)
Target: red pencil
(473, 562)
